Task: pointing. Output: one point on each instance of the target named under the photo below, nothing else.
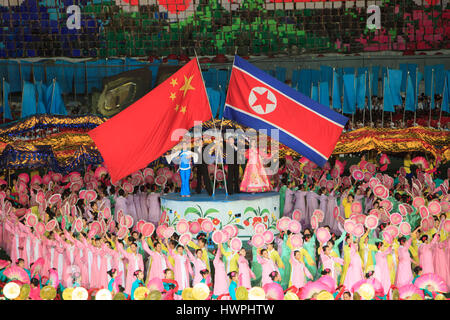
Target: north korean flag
(260, 101)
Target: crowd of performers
(364, 235)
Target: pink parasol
(420, 161)
(408, 290)
(56, 198)
(314, 222)
(424, 212)
(283, 223)
(14, 272)
(294, 226)
(195, 227)
(378, 287)
(319, 214)
(296, 215)
(329, 185)
(258, 240)
(405, 228)
(268, 236)
(147, 229)
(392, 230)
(386, 204)
(418, 202)
(236, 244)
(358, 231)
(217, 237)
(260, 228)
(336, 212)
(182, 226)
(123, 231)
(51, 225)
(358, 175)
(148, 172)
(129, 221)
(273, 291)
(371, 222)
(356, 207)
(207, 225)
(323, 235)
(434, 207)
(185, 238)
(402, 209)
(349, 225)
(169, 232)
(396, 218)
(128, 187)
(430, 279)
(296, 241)
(37, 266)
(311, 288)
(31, 220)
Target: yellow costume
(232, 259)
(347, 208)
(366, 253)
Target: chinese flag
(141, 133)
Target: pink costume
(298, 272)
(131, 208)
(267, 267)
(182, 269)
(441, 261)
(220, 276)
(137, 206)
(134, 263)
(80, 258)
(91, 263)
(382, 273)
(70, 261)
(199, 265)
(51, 259)
(328, 262)
(143, 204)
(255, 176)
(154, 208)
(37, 248)
(158, 262)
(404, 274)
(101, 262)
(245, 273)
(354, 271)
(121, 204)
(426, 255)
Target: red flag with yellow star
(141, 133)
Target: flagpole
(370, 99)
(382, 107)
(215, 128)
(416, 99)
(332, 88)
(3, 99)
(217, 147)
(365, 90)
(442, 105)
(406, 95)
(431, 95)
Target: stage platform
(241, 209)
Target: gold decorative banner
(71, 142)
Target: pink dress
(298, 272)
(426, 255)
(245, 273)
(121, 204)
(154, 208)
(328, 262)
(267, 267)
(220, 276)
(255, 177)
(441, 262)
(182, 269)
(199, 265)
(404, 273)
(134, 263)
(382, 273)
(354, 271)
(158, 263)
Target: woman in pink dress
(426, 253)
(441, 261)
(354, 271)
(255, 177)
(382, 272)
(80, 259)
(245, 273)
(91, 263)
(299, 272)
(135, 263)
(267, 266)
(154, 208)
(329, 262)
(404, 273)
(158, 261)
(183, 269)
(198, 263)
(220, 275)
